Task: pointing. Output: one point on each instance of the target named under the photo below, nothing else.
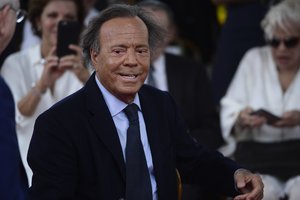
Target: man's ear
(3, 18)
(94, 57)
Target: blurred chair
(179, 185)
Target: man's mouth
(129, 76)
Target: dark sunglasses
(288, 43)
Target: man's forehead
(124, 28)
(128, 25)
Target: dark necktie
(138, 184)
(151, 80)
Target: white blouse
(21, 71)
(256, 84)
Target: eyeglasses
(20, 14)
(288, 43)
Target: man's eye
(142, 51)
(118, 51)
(52, 15)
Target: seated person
(268, 78)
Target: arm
(289, 119)
(235, 103)
(26, 88)
(250, 185)
(52, 159)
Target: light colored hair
(14, 3)
(284, 15)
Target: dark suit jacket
(189, 85)
(75, 151)
(13, 181)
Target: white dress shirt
(159, 73)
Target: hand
(250, 185)
(245, 119)
(74, 62)
(289, 119)
(51, 71)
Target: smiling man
(119, 139)
(123, 63)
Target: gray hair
(90, 37)
(284, 15)
(14, 3)
(159, 5)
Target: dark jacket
(13, 180)
(189, 84)
(75, 151)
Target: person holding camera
(13, 180)
(37, 77)
(261, 109)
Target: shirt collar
(115, 105)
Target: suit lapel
(102, 122)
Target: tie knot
(131, 112)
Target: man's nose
(131, 57)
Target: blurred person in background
(187, 82)
(13, 180)
(196, 43)
(240, 32)
(185, 79)
(37, 77)
(30, 39)
(269, 78)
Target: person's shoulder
(256, 56)
(68, 105)
(21, 56)
(16, 56)
(256, 51)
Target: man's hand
(249, 185)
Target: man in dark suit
(79, 148)
(13, 182)
(190, 87)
